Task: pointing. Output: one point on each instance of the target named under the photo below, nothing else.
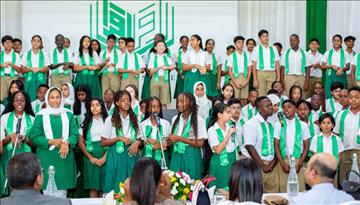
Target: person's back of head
(245, 182)
(149, 171)
(24, 171)
(321, 169)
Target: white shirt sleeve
(108, 129)
(97, 59)
(305, 130)
(213, 138)
(151, 61)
(277, 58)
(46, 59)
(313, 144)
(141, 61)
(277, 130)
(202, 132)
(354, 60)
(282, 60)
(325, 57)
(255, 53)
(76, 59)
(23, 60)
(250, 134)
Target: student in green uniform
(19, 107)
(17, 46)
(195, 64)
(188, 134)
(223, 145)
(90, 144)
(35, 66)
(68, 92)
(109, 101)
(123, 137)
(82, 102)
(225, 67)
(213, 68)
(55, 133)
(160, 66)
(40, 98)
(335, 64)
(179, 88)
(95, 45)
(146, 85)
(15, 85)
(154, 133)
(87, 66)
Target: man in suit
(25, 177)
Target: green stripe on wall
(316, 22)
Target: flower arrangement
(120, 196)
(181, 185)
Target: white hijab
(70, 99)
(204, 104)
(274, 98)
(46, 112)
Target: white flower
(171, 173)
(122, 190)
(190, 181)
(176, 184)
(173, 192)
(178, 175)
(183, 182)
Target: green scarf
(250, 113)
(227, 77)
(83, 63)
(236, 66)
(9, 130)
(311, 126)
(261, 57)
(115, 54)
(166, 72)
(332, 105)
(89, 144)
(358, 68)
(180, 147)
(120, 146)
(224, 160)
(179, 60)
(56, 61)
(320, 145)
(39, 75)
(342, 60)
(303, 61)
(149, 146)
(297, 141)
(268, 138)
(13, 61)
(342, 126)
(213, 64)
(126, 65)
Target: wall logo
(117, 17)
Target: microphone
(281, 118)
(157, 118)
(234, 135)
(18, 125)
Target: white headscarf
(70, 99)
(204, 104)
(274, 99)
(46, 112)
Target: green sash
(224, 160)
(180, 147)
(297, 141)
(261, 57)
(136, 110)
(342, 60)
(56, 61)
(37, 107)
(166, 72)
(342, 126)
(331, 101)
(213, 64)
(13, 61)
(250, 113)
(149, 146)
(83, 63)
(303, 61)
(39, 75)
(311, 126)
(266, 149)
(242, 123)
(236, 66)
(227, 77)
(179, 61)
(115, 54)
(89, 144)
(358, 68)
(126, 65)
(9, 130)
(120, 146)
(320, 145)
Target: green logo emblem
(117, 17)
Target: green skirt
(211, 85)
(94, 175)
(166, 154)
(179, 88)
(333, 78)
(65, 169)
(221, 173)
(90, 80)
(190, 78)
(191, 162)
(32, 86)
(118, 168)
(146, 87)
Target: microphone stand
(163, 161)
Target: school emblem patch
(140, 20)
